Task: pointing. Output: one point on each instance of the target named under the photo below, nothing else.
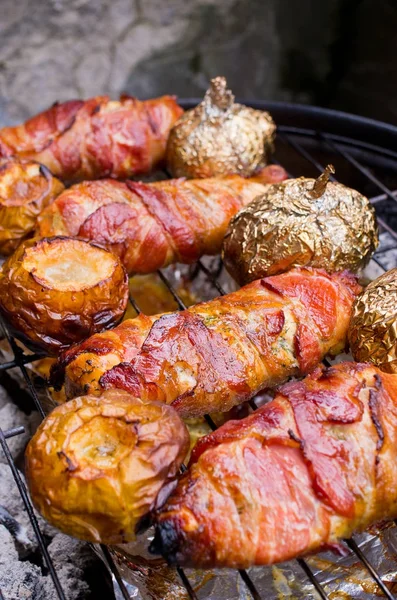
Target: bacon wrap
(95, 138)
(150, 226)
(220, 353)
(309, 468)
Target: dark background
(335, 53)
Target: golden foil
(373, 326)
(220, 137)
(301, 222)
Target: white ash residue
(10, 415)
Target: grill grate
(294, 140)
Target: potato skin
(48, 318)
(26, 188)
(96, 465)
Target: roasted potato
(96, 465)
(26, 188)
(57, 291)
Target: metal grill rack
(365, 155)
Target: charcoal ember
(71, 580)
(4, 399)
(67, 550)
(18, 532)
(82, 563)
(11, 500)
(20, 580)
(8, 551)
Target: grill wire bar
(21, 359)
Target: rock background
(338, 53)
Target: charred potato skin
(96, 466)
(52, 320)
(26, 188)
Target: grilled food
(153, 225)
(309, 468)
(220, 137)
(373, 326)
(58, 291)
(95, 138)
(301, 222)
(26, 188)
(220, 353)
(96, 465)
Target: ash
(23, 573)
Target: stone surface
(334, 52)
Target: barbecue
(360, 151)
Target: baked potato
(301, 222)
(96, 465)
(26, 188)
(58, 291)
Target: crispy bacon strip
(220, 353)
(309, 468)
(153, 225)
(95, 138)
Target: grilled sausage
(95, 138)
(153, 225)
(309, 468)
(219, 353)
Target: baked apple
(26, 188)
(96, 465)
(58, 291)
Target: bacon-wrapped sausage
(219, 353)
(95, 138)
(153, 225)
(309, 468)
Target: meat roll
(219, 353)
(150, 226)
(95, 138)
(309, 468)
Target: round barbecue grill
(364, 153)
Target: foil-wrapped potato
(26, 188)
(58, 291)
(373, 326)
(301, 222)
(96, 465)
(220, 137)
